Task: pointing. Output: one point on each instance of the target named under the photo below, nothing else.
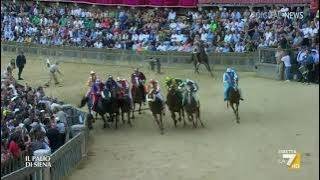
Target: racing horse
(174, 102)
(200, 57)
(124, 104)
(192, 108)
(106, 104)
(138, 97)
(234, 101)
(157, 109)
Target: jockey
(191, 87)
(96, 92)
(176, 83)
(154, 86)
(138, 80)
(94, 89)
(111, 84)
(124, 88)
(230, 79)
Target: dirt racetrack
(275, 115)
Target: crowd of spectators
(30, 121)
(157, 29)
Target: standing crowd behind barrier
(32, 123)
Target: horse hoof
(238, 121)
(104, 126)
(140, 112)
(202, 125)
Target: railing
(268, 55)
(129, 57)
(62, 160)
(13, 164)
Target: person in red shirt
(14, 148)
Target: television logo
(38, 161)
(279, 14)
(291, 158)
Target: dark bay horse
(200, 57)
(138, 97)
(174, 102)
(125, 107)
(157, 109)
(107, 104)
(103, 106)
(234, 101)
(192, 108)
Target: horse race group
(115, 97)
(118, 97)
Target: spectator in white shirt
(171, 15)
(287, 64)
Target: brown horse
(192, 108)
(157, 109)
(174, 102)
(138, 98)
(200, 57)
(234, 101)
(125, 107)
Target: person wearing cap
(111, 84)
(53, 69)
(230, 80)
(191, 87)
(138, 80)
(20, 62)
(153, 87)
(124, 88)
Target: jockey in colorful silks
(230, 79)
(111, 85)
(154, 86)
(124, 88)
(192, 88)
(96, 91)
(91, 93)
(138, 80)
(173, 82)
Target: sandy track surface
(275, 115)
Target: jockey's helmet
(229, 70)
(110, 76)
(152, 81)
(92, 72)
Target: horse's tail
(83, 101)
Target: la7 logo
(290, 158)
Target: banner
(135, 3)
(254, 2)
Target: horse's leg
(173, 116)
(208, 68)
(133, 109)
(198, 116)
(157, 121)
(89, 121)
(193, 121)
(237, 110)
(104, 121)
(161, 124)
(184, 119)
(129, 120)
(140, 103)
(96, 117)
(122, 117)
(234, 110)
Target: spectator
(20, 62)
(287, 66)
